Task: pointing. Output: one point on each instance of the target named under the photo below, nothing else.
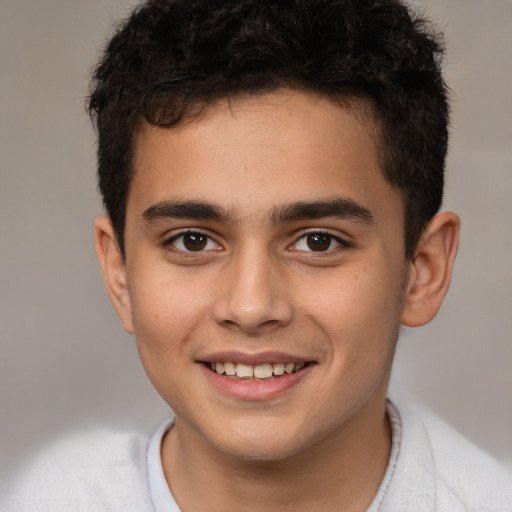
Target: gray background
(65, 362)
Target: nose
(253, 296)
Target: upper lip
(253, 359)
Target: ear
(114, 270)
(430, 270)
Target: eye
(192, 241)
(318, 242)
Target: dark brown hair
(171, 57)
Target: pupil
(194, 241)
(319, 242)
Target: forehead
(253, 153)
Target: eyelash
(342, 243)
(191, 232)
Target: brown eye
(319, 241)
(192, 241)
(195, 241)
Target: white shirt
(431, 469)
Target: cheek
(166, 309)
(358, 309)
(166, 312)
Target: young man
(272, 174)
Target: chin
(252, 450)
(259, 442)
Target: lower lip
(252, 390)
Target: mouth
(256, 377)
(255, 373)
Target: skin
(259, 284)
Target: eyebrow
(339, 207)
(192, 210)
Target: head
(272, 171)
(172, 58)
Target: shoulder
(454, 474)
(464, 471)
(99, 470)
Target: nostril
(255, 330)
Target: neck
(341, 472)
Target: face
(263, 239)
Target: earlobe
(431, 270)
(114, 270)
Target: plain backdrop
(66, 364)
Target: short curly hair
(170, 58)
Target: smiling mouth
(259, 372)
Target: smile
(254, 378)
(265, 371)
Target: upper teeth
(260, 371)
